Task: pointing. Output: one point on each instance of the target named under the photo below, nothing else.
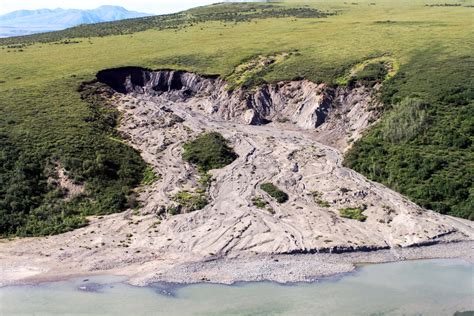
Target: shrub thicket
(209, 151)
(422, 147)
(82, 141)
(274, 192)
(405, 121)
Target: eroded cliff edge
(339, 114)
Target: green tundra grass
(44, 121)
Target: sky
(147, 6)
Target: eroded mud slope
(289, 133)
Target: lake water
(427, 287)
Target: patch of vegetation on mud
(317, 197)
(353, 213)
(209, 151)
(259, 202)
(274, 192)
(149, 176)
(188, 202)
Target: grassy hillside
(44, 121)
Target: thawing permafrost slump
(289, 133)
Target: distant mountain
(25, 22)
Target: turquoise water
(427, 287)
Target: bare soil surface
(291, 134)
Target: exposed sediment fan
(276, 129)
(161, 110)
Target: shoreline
(278, 268)
(302, 267)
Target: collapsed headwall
(304, 103)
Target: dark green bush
(209, 151)
(274, 192)
(259, 202)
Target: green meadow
(45, 120)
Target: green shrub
(323, 203)
(318, 200)
(353, 213)
(149, 176)
(259, 202)
(405, 121)
(173, 210)
(190, 201)
(209, 151)
(205, 180)
(274, 192)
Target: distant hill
(24, 22)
